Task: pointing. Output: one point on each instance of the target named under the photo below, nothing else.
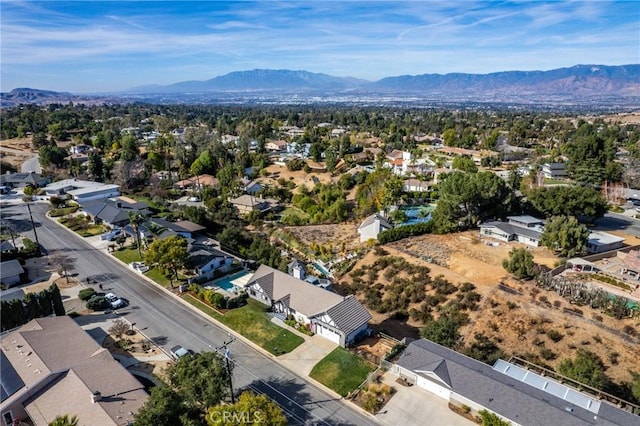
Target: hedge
(395, 234)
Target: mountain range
(582, 84)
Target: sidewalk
(299, 362)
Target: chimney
(96, 396)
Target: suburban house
(20, 180)
(114, 212)
(50, 366)
(553, 170)
(7, 247)
(334, 317)
(510, 391)
(416, 185)
(11, 273)
(251, 187)
(631, 264)
(206, 260)
(245, 204)
(184, 228)
(80, 149)
(276, 146)
(524, 229)
(372, 226)
(198, 182)
(298, 149)
(600, 242)
(82, 190)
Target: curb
(236, 335)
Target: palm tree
(136, 219)
(64, 421)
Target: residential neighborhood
(382, 268)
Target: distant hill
(259, 80)
(579, 80)
(585, 85)
(25, 95)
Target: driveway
(415, 406)
(303, 358)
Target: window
(8, 418)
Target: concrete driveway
(413, 405)
(307, 355)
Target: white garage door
(328, 333)
(434, 388)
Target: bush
(406, 231)
(555, 335)
(98, 303)
(86, 294)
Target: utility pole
(226, 357)
(33, 226)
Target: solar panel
(10, 381)
(547, 385)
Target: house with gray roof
(11, 273)
(513, 393)
(524, 229)
(206, 260)
(21, 180)
(114, 212)
(337, 318)
(372, 226)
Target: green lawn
(158, 276)
(253, 323)
(63, 211)
(294, 215)
(127, 255)
(91, 231)
(341, 371)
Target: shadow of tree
(296, 404)
(397, 328)
(159, 340)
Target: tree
(444, 330)
(248, 410)
(568, 201)
(587, 368)
(201, 380)
(135, 220)
(469, 198)
(62, 264)
(464, 163)
(169, 254)
(565, 235)
(65, 420)
(52, 155)
(520, 263)
(95, 166)
(118, 328)
(491, 419)
(56, 300)
(164, 407)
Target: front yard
(129, 255)
(253, 323)
(81, 225)
(341, 371)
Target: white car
(139, 267)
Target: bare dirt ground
(299, 177)
(518, 320)
(138, 347)
(624, 118)
(335, 234)
(17, 150)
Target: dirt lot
(336, 234)
(10, 155)
(518, 320)
(299, 177)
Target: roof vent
(96, 396)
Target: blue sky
(99, 46)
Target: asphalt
(168, 322)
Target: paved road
(29, 164)
(620, 222)
(170, 323)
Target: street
(168, 323)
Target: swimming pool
(418, 214)
(225, 282)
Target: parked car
(139, 267)
(115, 301)
(178, 352)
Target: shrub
(86, 293)
(555, 335)
(98, 303)
(628, 329)
(511, 305)
(613, 357)
(547, 354)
